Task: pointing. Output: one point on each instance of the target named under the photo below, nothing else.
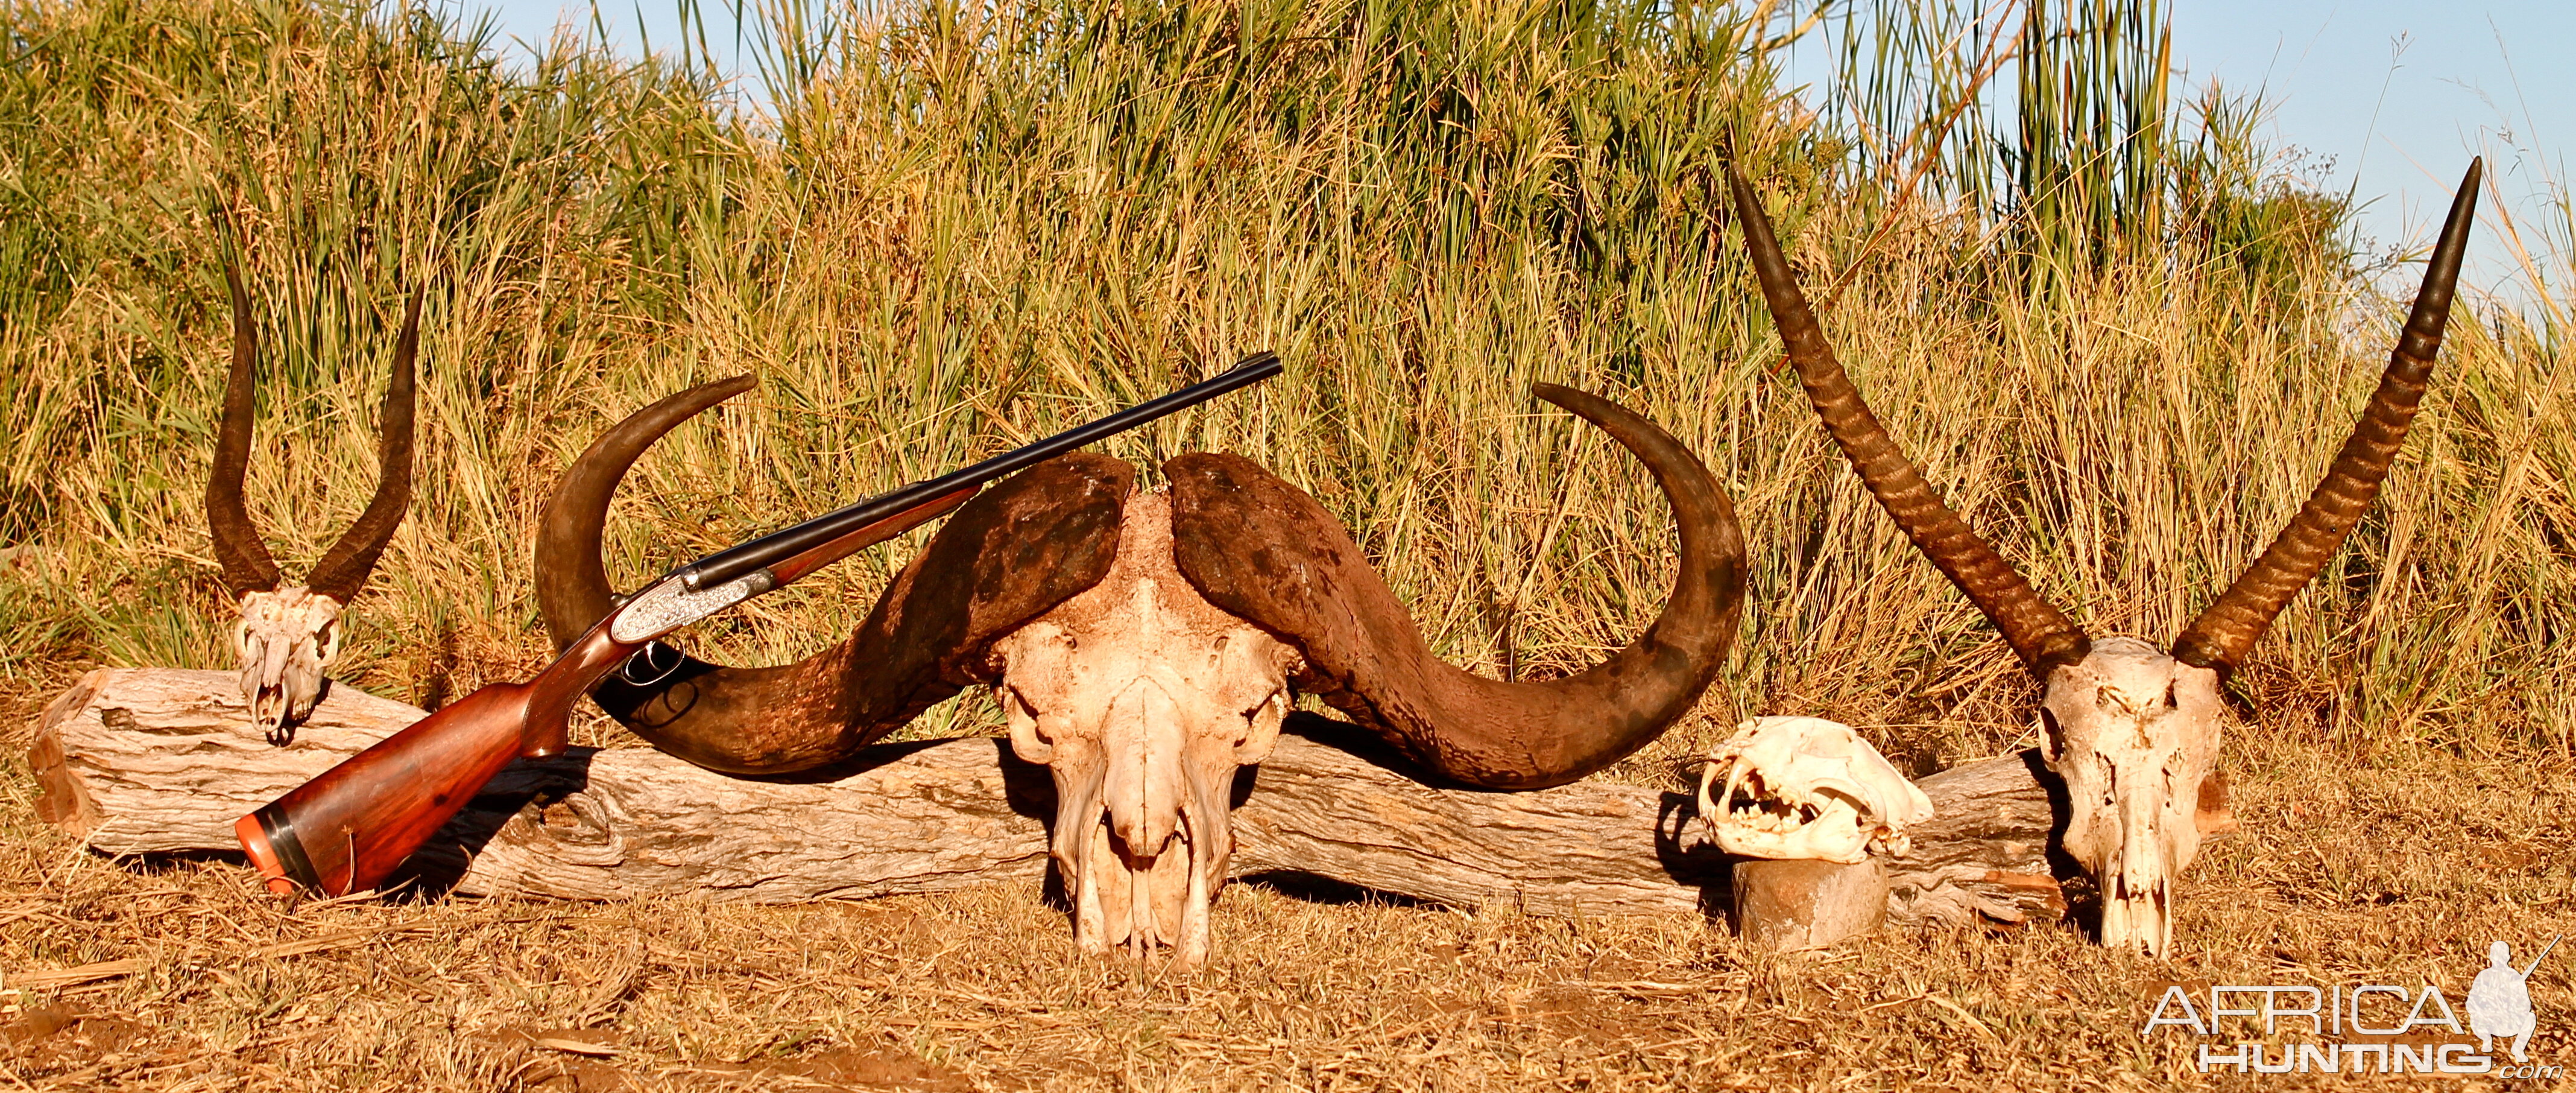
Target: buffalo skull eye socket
(2171, 687)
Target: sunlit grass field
(2115, 337)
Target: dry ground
(2395, 865)
(948, 247)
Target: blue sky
(2396, 95)
(2385, 98)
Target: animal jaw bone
(287, 635)
(1141, 699)
(286, 638)
(2132, 729)
(1811, 789)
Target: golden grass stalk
(970, 224)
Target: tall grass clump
(956, 226)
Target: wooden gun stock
(350, 828)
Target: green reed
(955, 226)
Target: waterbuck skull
(1141, 698)
(2132, 731)
(288, 634)
(1807, 788)
(1144, 646)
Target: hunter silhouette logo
(2370, 1028)
(2500, 1001)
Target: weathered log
(1985, 853)
(156, 760)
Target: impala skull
(288, 634)
(1141, 699)
(1144, 646)
(285, 638)
(2131, 730)
(1805, 787)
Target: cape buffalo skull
(2131, 731)
(1144, 645)
(288, 635)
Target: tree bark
(160, 760)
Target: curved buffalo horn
(344, 568)
(238, 547)
(1024, 545)
(572, 587)
(2038, 632)
(1265, 551)
(2224, 633)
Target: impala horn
(288, 635)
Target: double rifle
(348, 829)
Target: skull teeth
(1766, 814)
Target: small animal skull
(1812, 788)
(289, 633)
(286, 638)
(1142, 698)
(2133, 733)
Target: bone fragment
(146, 760)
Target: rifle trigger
(650, 658)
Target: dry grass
(1005, 217)
(2391, 867)
(987, 231)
